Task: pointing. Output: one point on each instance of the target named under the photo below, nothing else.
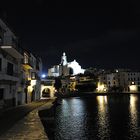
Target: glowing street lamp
(43, 75)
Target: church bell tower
(64, 59)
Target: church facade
(65, 68)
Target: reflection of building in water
(103, 124)
(65, 68)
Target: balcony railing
(4, 76)
(13, 49)
(27, 64)
(5, 72)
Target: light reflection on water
(99, 117)
(71, 120)
(133, 124)
(103, 123)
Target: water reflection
(133, 117)
(103, 123)
(100, 117)
(71, 119)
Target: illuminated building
(128, 80)
(65, 68)
(19, 71)
(10, 58)
(32, 67)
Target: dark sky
(98, 35)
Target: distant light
(133, 83)
(117, 71)
(43, 75)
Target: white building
(128, 80)
(10, 58)
(65, 68)
(31, 67)
(19, 71)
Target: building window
(26, 58)
(134, 79)
(138, 78)
(33, 75)
(9, 68)
(114, 83)
(1, 40)
(1, 93)
(0, 64)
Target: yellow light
(133, 100)
(33, 82)
(30, 89)
(133, 88)
(101, 88)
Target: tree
(58, 83)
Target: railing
(30, 62)
(14, 45)
(4, 72)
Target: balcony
(6, 77)
(27, 64)
(13, 50)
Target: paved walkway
(28, 128)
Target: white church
(65, 68)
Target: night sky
(96, 35)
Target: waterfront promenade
(23, 122)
